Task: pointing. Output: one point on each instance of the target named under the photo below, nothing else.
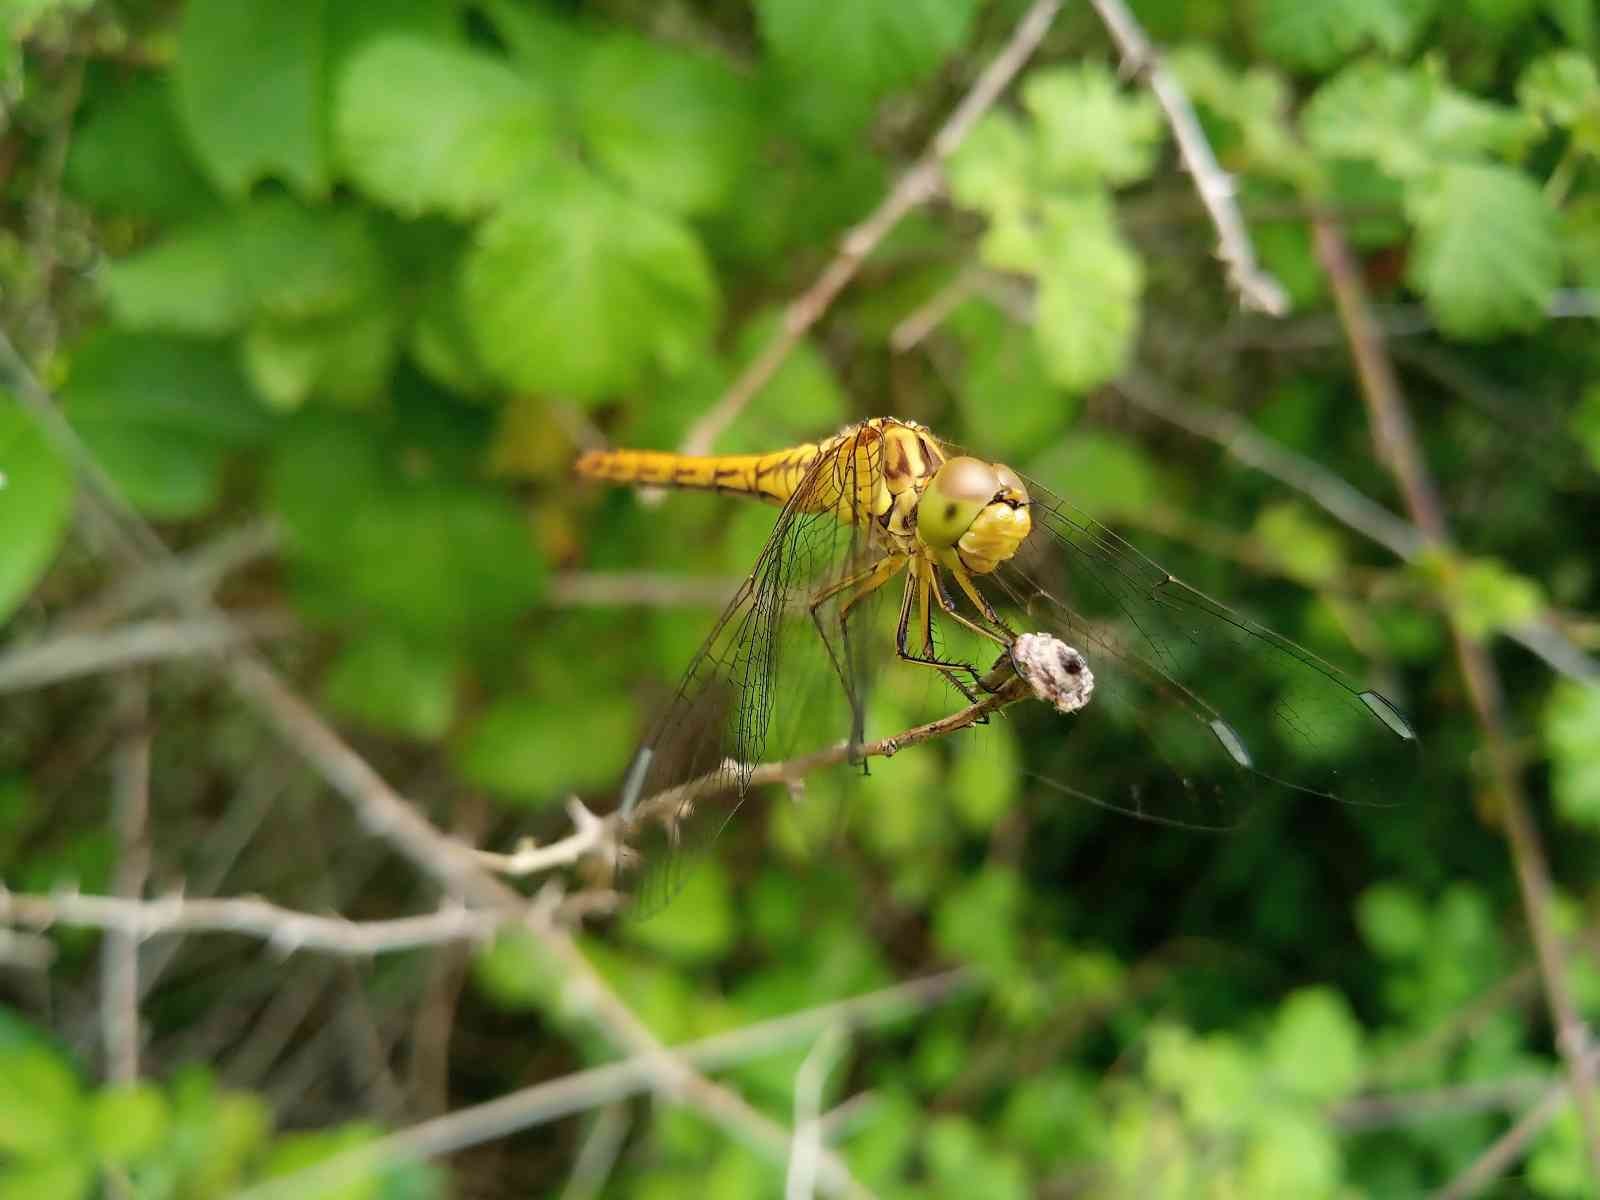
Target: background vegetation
(307, 309)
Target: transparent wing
(1196, 709)
(773, 679)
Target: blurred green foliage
(375, 271)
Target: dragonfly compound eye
(953, 499)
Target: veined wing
(771, 679)
(1196, 707)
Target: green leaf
(680, 130)
(1577, 20)
(427, 127)
(1488, 252)
(273, 256)
(221, 1131)
(1314, 1049)
(699, 926)
(397, 684)
(41, 1105)
(1004, 366)
(962, 1165)
(573, 287)
(517, 973)
(1500, 15)
(1102, 474)
(1561, 87)
(1395, 25)
(984, 782)
(994, 169)
(427, 555)
(186, 283)
(162, 415)
(1585, 424)
(59, 1180)
(129, 155)
(1311, 551)
(1088, 129)
(128, 1122)
(865, 48)
(302, 1151)
(533, 750)
(276, 127)
(978, 922)
(35, 504)
(1408, 120)
(1393, 920)
(1572, 737)
(1090, 281)
(1314, 37)
(348, 358)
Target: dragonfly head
(973, 514)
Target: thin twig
(810, 1082)
(917, 185)
(598, 1154)
(54, 659)
(1385, 1110)
(1256, 287)
(198, 570)
(388, 815)
(1398, 447)
(285, 930)
(637, 589)
(1335, 497)
(1511, 1145)
(919, 323)
(597, 1086)
(119, 955)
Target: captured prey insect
(985, 555)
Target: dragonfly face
(973, 515)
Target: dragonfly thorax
(973, 514)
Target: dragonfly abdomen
(771, 477)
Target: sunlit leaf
(678, 129)
(128, 1122)
(1089, 129)
(428, 127)
(41, 1103)
(1572, 734)
(573, 287)
(700, 923)
(393, 683)
(864, 48)
(1089, 286)
(1488, 253)
(35, 504)
(1314, 1049)
(534, 750)
(275, 127)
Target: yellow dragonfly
(983, 555)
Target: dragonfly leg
(981, 603)
(865, 583)
(917, 581)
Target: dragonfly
(1203, 708)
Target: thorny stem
(1397, 445)
(917, 185)
(1256, 287)
(389, 815)
(1004, 688)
